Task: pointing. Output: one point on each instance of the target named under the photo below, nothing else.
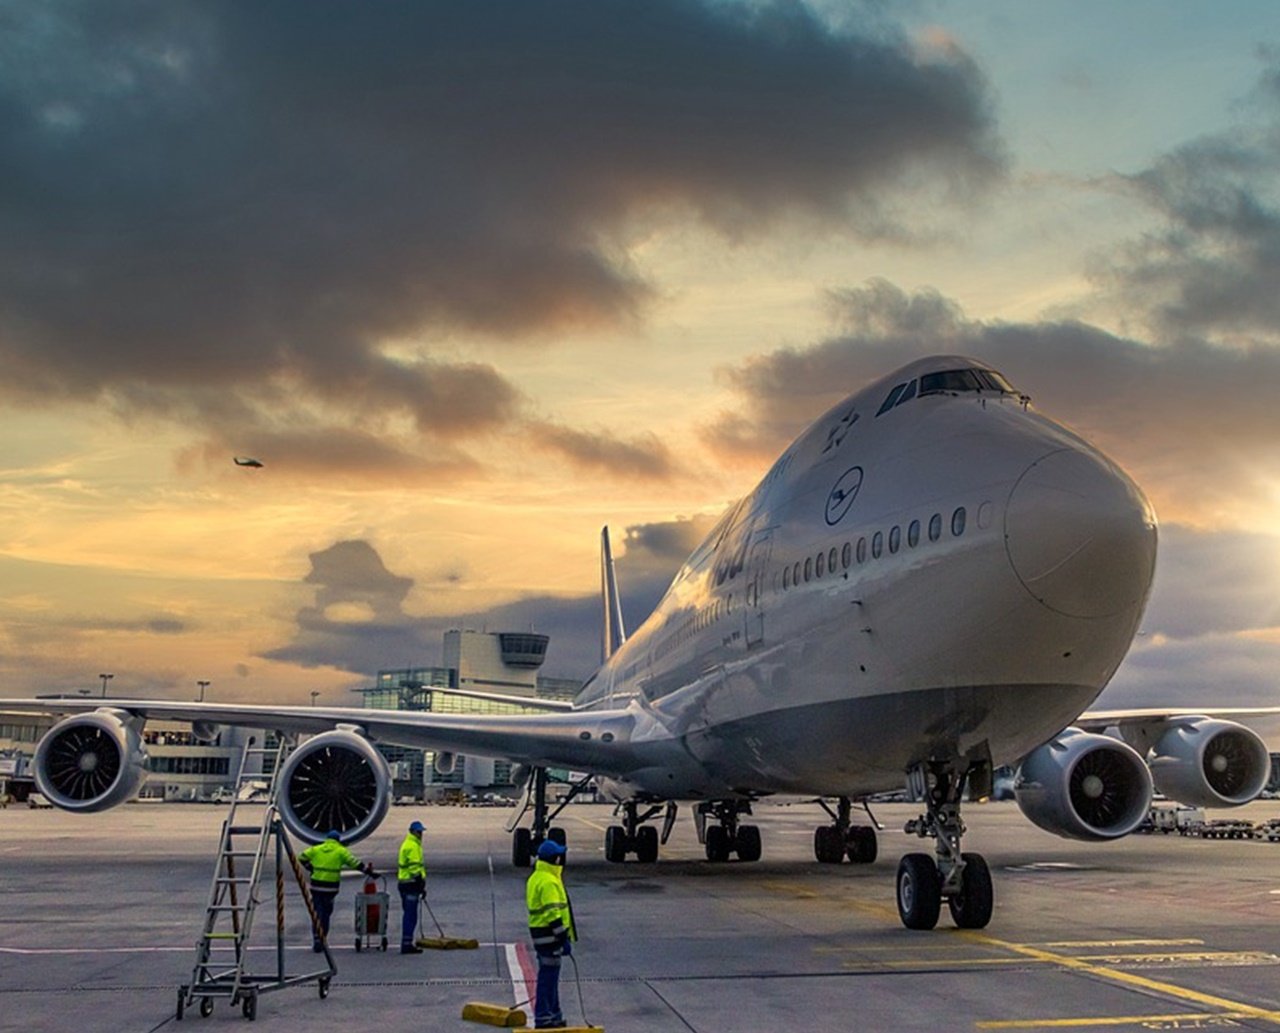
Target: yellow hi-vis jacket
(410, 863)
(327, 860)
(550, 921)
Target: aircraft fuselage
(940, 573)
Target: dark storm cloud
(352, 581)
(1212, 268)
(1196, 424)
(258, 196)
(1213, 671)
(645, 457)
(1210, 583)
(353, 456)
(356, 621)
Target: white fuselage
(953, 576)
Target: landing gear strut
(633, 836)
(525, 842)
(727, 836)
(962, 879)
(832, 842)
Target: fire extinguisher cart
(372, 907)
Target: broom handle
(423, 900)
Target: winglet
(613, 632)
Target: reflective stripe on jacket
(550, 922)
(327, 861)
(410, 863)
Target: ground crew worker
(411, 881)
(551, 926)
(326, 861)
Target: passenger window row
(839, 559)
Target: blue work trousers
(546, 1009)
(323, 900)
(410, 894)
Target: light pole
(203, 685)
(314, 694)
(105, 678)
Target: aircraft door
(757, 568)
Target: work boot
(410, 948)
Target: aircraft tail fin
(613, 632)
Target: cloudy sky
(473, 280)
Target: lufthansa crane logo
(843, 494)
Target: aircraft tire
(828, 847)
(861, 844)
(615, 844)
(748, 843)
(646, 844)
(521, 848)
(717, 843)
(919, 891)
(971, 907)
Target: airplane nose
(1080, 535)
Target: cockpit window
(891, 400)
(965, 380)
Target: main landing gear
(635, 837)
(963, 880)
(727, 836)
(831, 843)
(525, 842)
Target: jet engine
(1084, 786)
(1210, 763)
(336, 780)
(91, 761)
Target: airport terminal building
(182, 768)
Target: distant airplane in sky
(247, 461)
(934, 580)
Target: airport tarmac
(99, 915)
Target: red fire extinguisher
(373, 911)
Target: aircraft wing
(599, 741)
(1098, 720)
(1142, 727)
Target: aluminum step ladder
(222, 951)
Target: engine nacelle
(1084, 786)
(1210, 763)
(206, 731)
(91, 761)
(336, 780)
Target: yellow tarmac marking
(588, 821)
(1214, 1018)
(1124, 943)
(1127, 979)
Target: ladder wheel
(384, 944)
(323, 987)
(206, 1007)
(250, 1007)
(359, 948)
(182, 1003)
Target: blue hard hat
(549, 850)
(416, 826)
(333, 834)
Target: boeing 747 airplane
(933, 580)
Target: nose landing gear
(962, 879)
